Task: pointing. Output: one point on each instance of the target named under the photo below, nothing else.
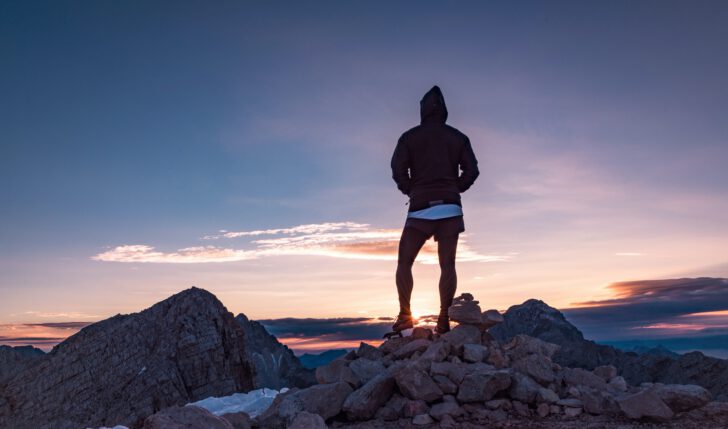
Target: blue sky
(600, 129)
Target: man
(426, 166)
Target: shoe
(404, 321)
(443, 324)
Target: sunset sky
(244, 148)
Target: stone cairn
(465, 375)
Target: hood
(432, 106)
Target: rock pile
(466, 377)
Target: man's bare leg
(410, 244)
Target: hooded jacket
(429, 158)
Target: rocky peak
(119, 370)
(275, 364)
(537, 319)
(15, 359)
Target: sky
(244, 148)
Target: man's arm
(400, 166)
(468, 165)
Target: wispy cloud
(334, 239)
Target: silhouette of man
(432, 164)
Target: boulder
(454, 371)
(461, 335)
(436, 352)
(490, 318)
(451, 408)
(393, 344)
(335, 371)
(421, 333)
(645, 404)
(474, 352)
(239, 420)
(465, 310)
(523, 345)
(177, 417)
(682, 397)
(422, 420)
(618, 384)
(393, 409)
(363, 403)
(606, 372)
(414, 407)
(480, 386)
(306, 420)
(582, 377)
(368, 351)
(417, 384)
(597, 401)
(419, 345)
(445, 384)
(365, 369)
(497, 358)
(325, 400)
(523, 388)
(537, 367)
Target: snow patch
(253, 403)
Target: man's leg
(446, 249)
(410, 244)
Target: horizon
(245, 148)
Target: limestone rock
(682, 397)
(474, 352)
(461, 335)
(490, 318)
(482, 386)
(419, 345)
(125, 368)
(364, 402)
(416, 384)
(606, 372)
(438, 411)
(523, 345)
(306, 420)
(647, 404)
(422, 420)
(537, 367)
(365, 369)
(185, 417)
(335, 371)
(464, 310)
(369, 352)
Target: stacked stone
(467, 376)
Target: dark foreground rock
(467, 379)
(537, 319)
(125, 368)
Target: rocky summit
(122, 369)
(275, 366)
(536, 319)
(467, 378)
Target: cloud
(316, 335)
(669, 307)
(333, 239)
(43, 335)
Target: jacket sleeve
(468, 165)
(400, 166)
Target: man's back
(427, 161)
